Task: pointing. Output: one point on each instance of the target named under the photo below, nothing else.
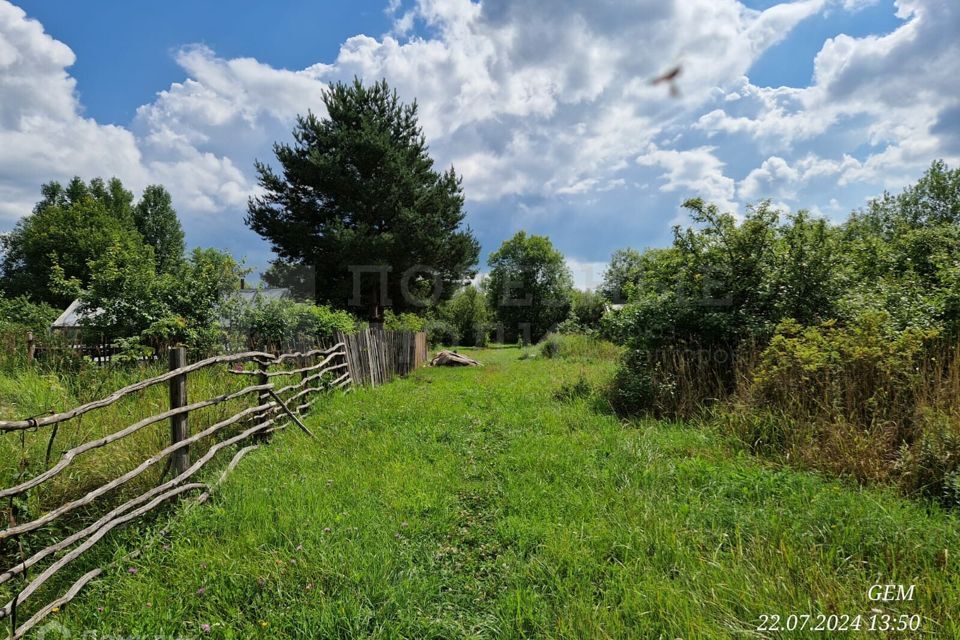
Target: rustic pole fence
(263, 379)
(368, 358)
(179, 427)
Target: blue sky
(544, 106)
(111, 85)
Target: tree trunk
(376, 316)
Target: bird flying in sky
(670, 77)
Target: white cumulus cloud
(535, 103)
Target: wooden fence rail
(368, 357)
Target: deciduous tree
(529, 287)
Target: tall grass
(32, 392)
(473, 503)
(578, 347)
(857, 401)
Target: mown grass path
(470, 503)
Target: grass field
(475, 503)
(30, 391)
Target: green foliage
(156, 220)
(21, 313)
(131, 351)
(127, 298)
(72, 227)
(277, 324)
(550, 346)
(625, 269)
(722, 281)
(634, 390)
(902, 254)
(203, 283)
(831, 333)
(529, 286)
(616, 325)
(441, 333)
(586, 313)
(69, 228)
(725, 283)
(468, 314)
(402, 321)
(124, 295)
(866, 372)
(359, 188)
(300, 280)
(848, 399)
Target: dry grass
(865, 409)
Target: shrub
(577, 346)
(676, 381)
(586, 312)
(403, 321)
(615, 325)
(275, 324)
(632, 390)
(931, 466)
(865, 373)
(573, 391)
(21, 312)
(314, 322)
(441, 333)
(469, 314)
(550, 346)
(862, 399)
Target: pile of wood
(453, 359)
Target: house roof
(247, 295)
(71, 316)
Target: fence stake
(262, 398)
(31, 346)
(179, 428)
(305, 362)
(290, 413)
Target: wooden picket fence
(369, 357)
(376, 356)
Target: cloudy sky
(543, 106)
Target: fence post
(304, 363)
(31, 346)
(262, 398)
(179, 428)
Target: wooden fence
(403, 351)
(375, 356)
(370, 357)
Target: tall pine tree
(357, 193)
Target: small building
(269, 293)
(69, 323)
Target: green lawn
(473, 503)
